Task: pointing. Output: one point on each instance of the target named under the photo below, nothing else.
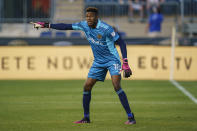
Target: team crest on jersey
(99, 36)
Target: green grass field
(53, 105)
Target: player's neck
(95, 24)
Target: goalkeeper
(101, 37)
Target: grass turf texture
(54, 105)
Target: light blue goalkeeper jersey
(101, 40)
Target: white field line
(181, 88)
(101, 102)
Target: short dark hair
(92, 9)
(159, 10)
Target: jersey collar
(98, 24)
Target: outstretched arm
(59, 26)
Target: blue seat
(46, 34)
(88, 1)
(122, 34)
(60, 34)
(75, 34)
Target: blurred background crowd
(138, 21)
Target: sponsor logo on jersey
(95, 42)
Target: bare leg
(89, 84)
(116, 82)
(130, 13)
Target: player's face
(91, 19)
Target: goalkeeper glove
(126, 69)
(38, 25)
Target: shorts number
(116, 66)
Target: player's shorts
(98, 71)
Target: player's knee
(116, 86)
(87, 87)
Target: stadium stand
(46, 34)
(190, 29)
(66, 10)
(75, 34)
(60, 34)
(69, 12)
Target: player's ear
(96, 16)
